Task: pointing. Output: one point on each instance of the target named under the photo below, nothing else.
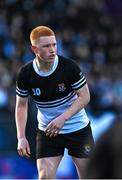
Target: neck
(44, 66)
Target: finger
(28, 150)
(48, 129)
(20, 152)
(48, 132)
(25, 153)
(54, 133)
(51, 134)
(28, 153)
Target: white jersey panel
(46, 115)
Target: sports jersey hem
(22, 95)
(72, 131)
(80, 86)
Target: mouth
(51, 56)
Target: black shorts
(79, 144)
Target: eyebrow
(48, 43)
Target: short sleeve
(77, 77)
(21, 84)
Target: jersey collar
(42, 73)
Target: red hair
(40, 31)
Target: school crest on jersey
(87, 149)
(61, 87)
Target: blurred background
(87, 31)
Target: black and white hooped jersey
(53, 91)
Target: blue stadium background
(89, 32)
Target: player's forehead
(47, 40)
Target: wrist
(63, 117)
(21, 138)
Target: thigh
(80, 143)
(48, 147)
(81, 164)
(49, 165)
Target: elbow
(88, 101)
(88, 98)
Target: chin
(51, 59)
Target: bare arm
(82, 100)
(21, 115)
(21, 120)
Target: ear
(34, 49)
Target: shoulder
(26, 67)
(68, 63)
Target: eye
(54, 45)
(47, 45)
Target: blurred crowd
(86, 31)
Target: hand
(23, 147)
(54, 127)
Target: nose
(52, 49)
